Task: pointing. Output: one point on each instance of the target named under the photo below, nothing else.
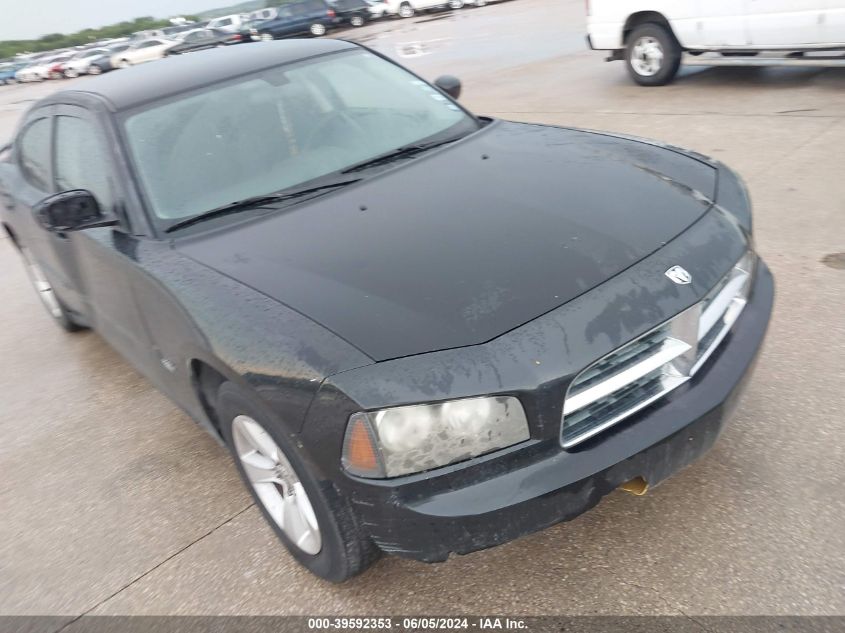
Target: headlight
(404, 440)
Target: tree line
(53, 41)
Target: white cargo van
(653, 35)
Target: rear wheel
(357, 20)
(318, 29)
(266, 37)
(311, 519)
(406, 10)
(71, 73)
(122, 63)
(456, 4)
(652, 55)
(47, 295)
(95, 70)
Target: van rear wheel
(652, 55)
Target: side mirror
(450, 85)
(71, 211)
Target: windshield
(281, 128)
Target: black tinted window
(34, 154)
(81, 162)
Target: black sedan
(201, 39)
(417, 330)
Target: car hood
(465, 243)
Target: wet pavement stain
(834, 260)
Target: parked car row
(301, 17)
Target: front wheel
(652, 55)
(318, 29)
(456, 4)
(309, 516)
(122, 63)
(95, 70)
(357, 20)
(71, 73)
(406, 10)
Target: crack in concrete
(671, 607)
(154, 567)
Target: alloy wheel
(357, 20)
(647, 56)
(318, 29)
(406, 11)
(276, 484)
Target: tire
(49, 299)
(456, 4)
(122, 63)
(357, 20)
(652, 55)
(342, 549)
(266, 37)
(70, 73)
(406, 10)
(480, 3)
(95, 70)
(317, 29)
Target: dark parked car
(103, 64)
(306, 16)
(351, 12)
(206, 38)
(418, 331)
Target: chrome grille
(642, 371)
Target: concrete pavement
(113, 502)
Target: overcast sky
(29, 19)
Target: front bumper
(535, 486)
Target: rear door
(785, 23)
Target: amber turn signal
(360, 455)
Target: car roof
(131, 87)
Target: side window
(81, 162)
(34, 154)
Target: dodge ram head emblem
(679, 275)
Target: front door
(721, 24)
(105, 256)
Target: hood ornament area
(679, 275)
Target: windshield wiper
(406, 151)
(256, 202)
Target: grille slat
(644, 370)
